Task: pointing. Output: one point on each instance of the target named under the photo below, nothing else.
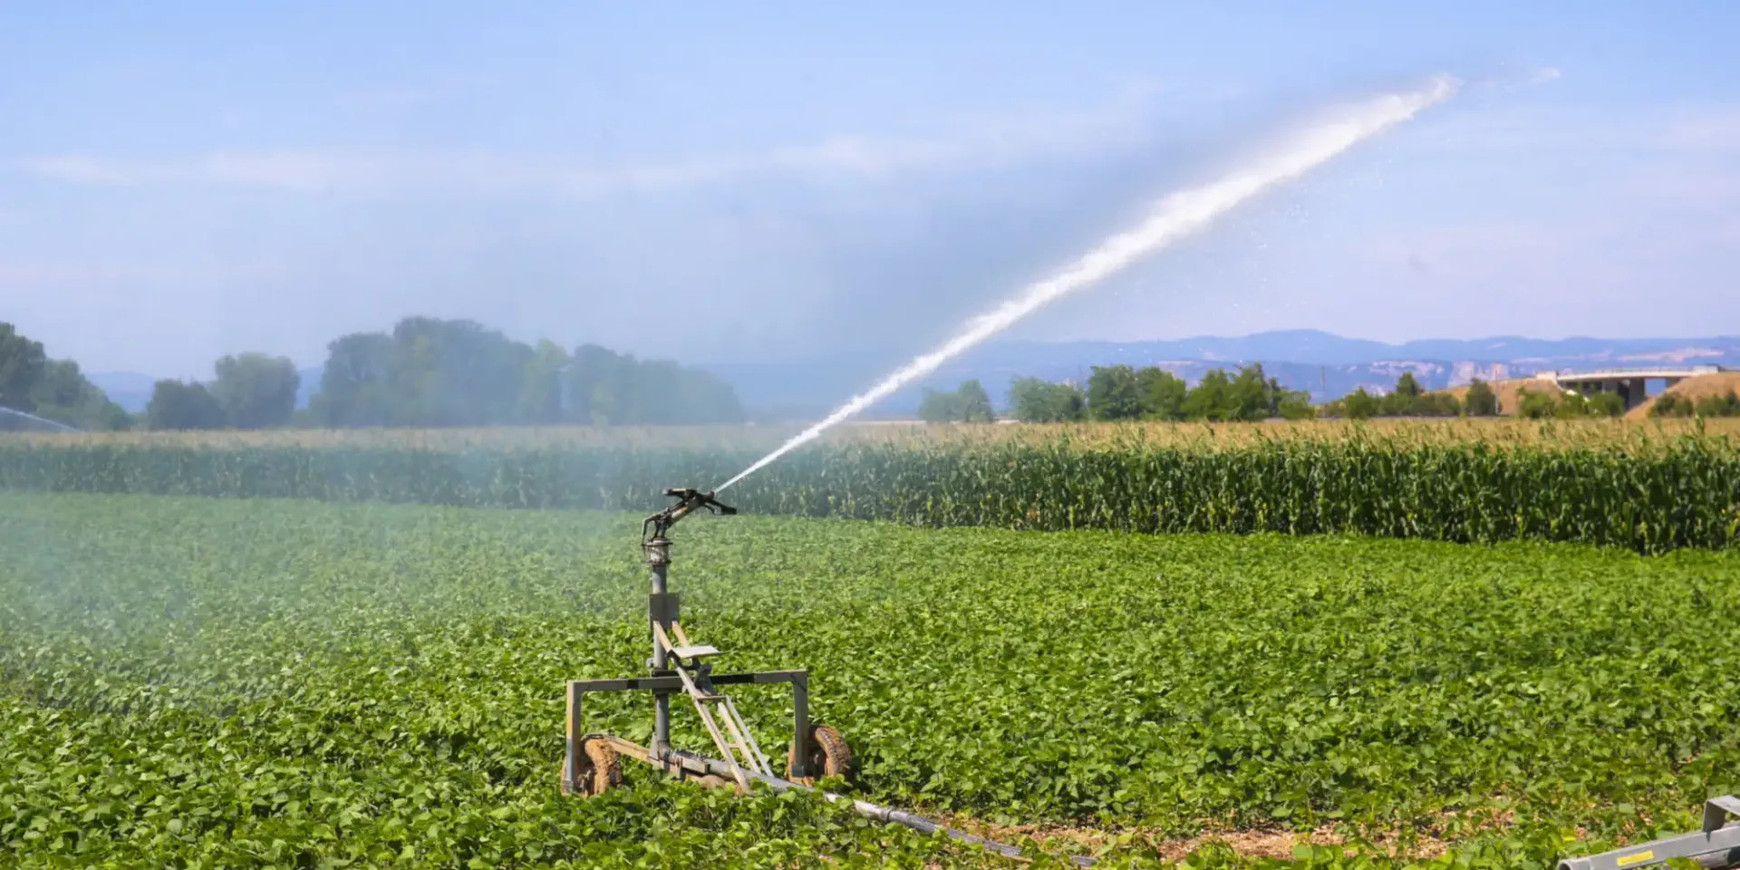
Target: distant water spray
(1173, 217)
(56, 426)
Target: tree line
(1410, 399)
(54, 389)
(1123, 392)
(1561, 405)
(1151, 393)
(251, 391)
(429, 372)
(426, 372)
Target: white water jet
(57, 425)
(1173, 217)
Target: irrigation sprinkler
(593, 761)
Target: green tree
(703, 397)
(939, 406)
(1726, 405)
(1295, 405)
(21, 364)
(1403, 400)
(65, 395)
(1360, 405)
(256, 391)
(1607, 405)
(54, 389)
(1536, 406)
(1571, 406)
(1671, 405)
(542, 391)
(973, 403)
(1035, 401)
(431, 372)
(357, 384)
(457, 372)
(1112, 393)
(61, 386)
(1251, 396)
(1160, 394)
(1435, 405)
(590, 385)
(178, 405)
(1481, 400)
(1211, 398)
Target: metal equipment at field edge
(593, 762)
(1717, 845)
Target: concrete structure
(1629, 382)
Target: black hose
(869, 810)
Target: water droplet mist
(1173, 217)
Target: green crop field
(1650, 490)
(234, 683)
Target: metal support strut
(679, 665)
(704, 768)
(1717, 845)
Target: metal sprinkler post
(592, 762)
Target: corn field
(1640, 492)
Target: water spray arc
(1175, 216)
(680, 667)
(51, 425)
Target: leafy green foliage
(183, 405)
(64, 394)
(1568, 405)
(1211, 398)
(1408, 399)
(433, 372)
(1360, 405)
(1032, 400)
(21, 364)
(256, 391)
(969, 403)
(1114, 393)
(1536, 405)
(271, 683)
(1162, 394)
(54, 389)
(1481, 400)
(1122, 392)
(1606, 405)
(1673, 405)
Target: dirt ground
(1424, 844)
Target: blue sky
(723, 182)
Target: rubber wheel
(600, 767)
(829, 755)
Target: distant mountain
(1326, 365)
(130, 390)
(309, 386)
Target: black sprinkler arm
(689, 500)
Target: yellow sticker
(1635, 858)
